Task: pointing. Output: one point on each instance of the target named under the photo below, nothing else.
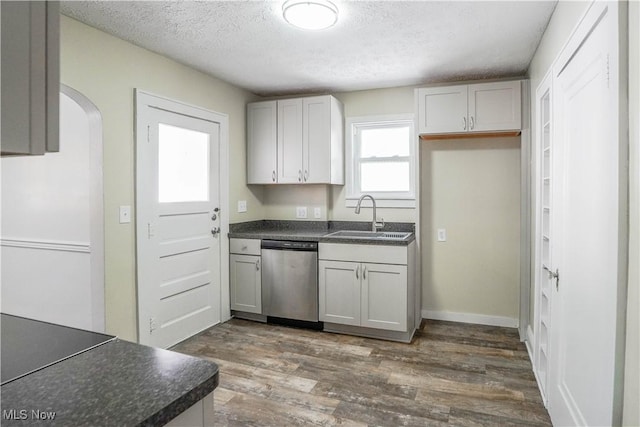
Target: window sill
(382, 203)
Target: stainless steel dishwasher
(290, 282)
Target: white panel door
(494, 106)
(316, 140)
(586, 227)
(384, 296)
(442, 109)
(178, 222)
(262, 142)
(339, 292)
(290, 141)
(245, 278)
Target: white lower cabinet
(245, 276)
(365, 294)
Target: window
(381, 160)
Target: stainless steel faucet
(375, 225)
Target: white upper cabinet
(483, 107)
(262, 160)
(295, 141)
(290, 141)
(30, 77)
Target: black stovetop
(29, 345)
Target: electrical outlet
(442, 235)
(301, 212)
(317, 213)
(125, 214)
(242, 205)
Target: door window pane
(384, 176)
(183, 165)
(385, 142)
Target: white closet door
(586, 224)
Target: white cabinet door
(384, 296)
(494, 106)
(262, 143)
(316, 140)
(246, 283)
(442, 109)
(30, 77)
(290, 141)
(339, 292)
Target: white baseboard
(529, 343)
(479, 319)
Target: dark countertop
(118, 383)
(316, 231)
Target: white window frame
(383, 199)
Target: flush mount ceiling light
(310, 14)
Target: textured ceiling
(375, 44)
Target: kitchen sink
(376, 235)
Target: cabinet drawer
(244, 246)
(380, 254)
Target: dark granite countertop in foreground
(116, 384)
(316, 231)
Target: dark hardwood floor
(451, 374)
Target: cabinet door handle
(300, 176)
(258, 265)
(471, 123)
(273, 176)
(464, 123)
(306, 175)
(357, 272)
(364, 272)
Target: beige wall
(280, 200)
(471, 188)
(564, 19)
(107, 70)
(631, 408)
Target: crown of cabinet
(470, 109)
(295, 141)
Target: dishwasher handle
(287, 245)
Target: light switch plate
(301, 212)
(242, 205)
(317, 213)
(125, 214)
(442, 235)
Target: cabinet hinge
(150, 230)
(608, 72)
(148, 133)
(152, 325)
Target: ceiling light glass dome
(310, 14)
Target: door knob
(215, 230)
(214, 217)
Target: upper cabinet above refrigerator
(475, 108)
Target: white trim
(382, 203)
(479, 319)
(529, 342)
(96, 205)
(47, 245)
(391, 200)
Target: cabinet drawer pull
(364, 272)
(464, 123)
(357, 272)
(273, 176)
(471, 123)
(258, 265)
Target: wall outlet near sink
(301, 212)
(317, 212)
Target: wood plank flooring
(452, 374)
